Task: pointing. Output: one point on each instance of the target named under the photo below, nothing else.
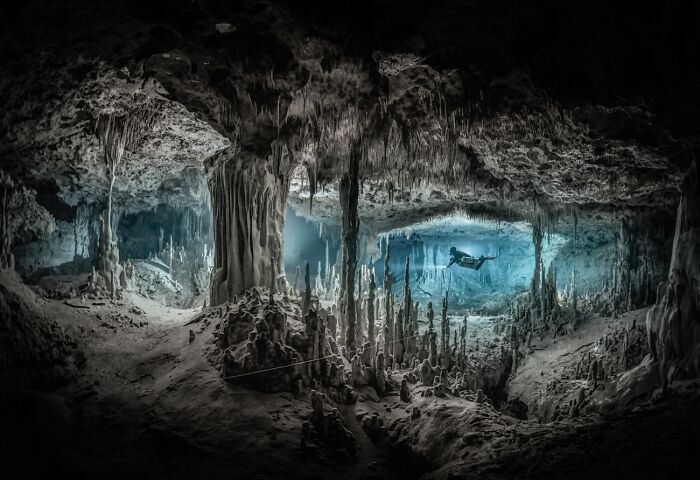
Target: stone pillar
(349, 193)
(248, 199)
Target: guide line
(256, 372)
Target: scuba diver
(465, 260)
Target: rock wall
(58, 249)
(70, 248)
(673, 323)
(248, 198)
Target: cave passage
(396, 239)
(427, 244)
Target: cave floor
(148, 403)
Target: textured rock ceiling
(461, 101)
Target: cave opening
(171, 250)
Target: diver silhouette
(465, 260)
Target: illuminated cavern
(386, 239)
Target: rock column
(349, 192)
(249, 198)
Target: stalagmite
(404, 392)
(399, 341)
(380, 374)
(444, 329)
(296, 279)
(432, 336)
(370, 314)
(306, 302)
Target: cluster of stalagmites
(266, 343)
(470, 373)
(616, 352)
(441, 361)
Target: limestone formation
(349, 191)
(672, 323)
(167, 167)
(248, 198)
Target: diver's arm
(452, 260)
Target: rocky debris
(30, 343)
(374, 427)
(516, 408)
(328, 426)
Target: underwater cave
(391, 239)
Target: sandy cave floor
(148, 403)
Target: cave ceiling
(469, 102)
